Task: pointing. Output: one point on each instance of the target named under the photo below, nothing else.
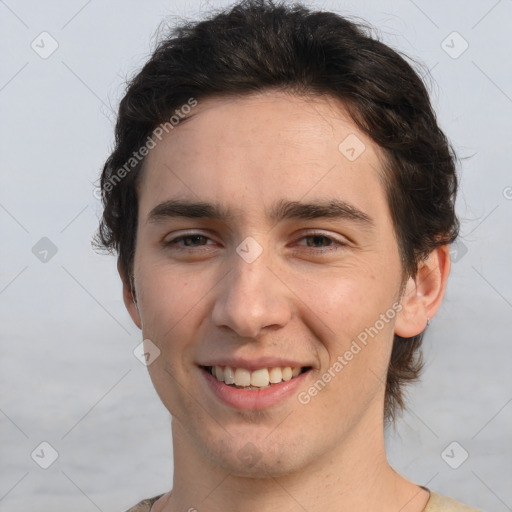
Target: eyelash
(171, 244)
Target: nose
(252, 297)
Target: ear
(128, 296)
(424, 293)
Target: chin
(265, 467)
(243, 457)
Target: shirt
(436, 503)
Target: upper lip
(254, 364)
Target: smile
(261, 378)
(256, 389)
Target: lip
(253, 399)
(255, 364)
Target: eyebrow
(282, 210)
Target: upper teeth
(259, 378)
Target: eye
(323, 242)
(190, 240)
(197, 242)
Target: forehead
(254, 150)
(306, 124)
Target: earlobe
(424, 293)
(129, 299)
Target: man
(281, 200)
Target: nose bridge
(251, 297)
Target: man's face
(259, 292)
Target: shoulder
(438, 503)
(144, 505)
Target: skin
(297, 299)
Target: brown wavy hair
(258, 45)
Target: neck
(354, 476)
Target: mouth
(254, 384)
(257, 379)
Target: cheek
(164, 294)
(345, 312)
(167, 303)
(345, 300)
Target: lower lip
(253, 399)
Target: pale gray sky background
(68, 376)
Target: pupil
(318, 239)
(193, 237)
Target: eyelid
(339, 242)
(176, 236)
(327, 234)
